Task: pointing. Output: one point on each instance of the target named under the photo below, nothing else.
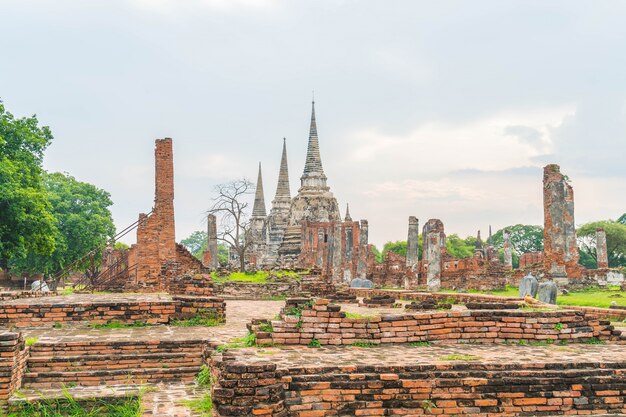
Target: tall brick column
(432, 259)
(412, 253)
(508, 255)
(601, 250)
(156, 234)
(560, 258)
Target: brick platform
(328, 325)
(400, 380)
(95, 308)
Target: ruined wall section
(560, 250)
(338, 249)
(601, 250)
(434, 248)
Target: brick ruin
(560, 254)
(156, 258)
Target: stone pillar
(508, 255)
(412, 248)
(560, 258)
(337, 251)
(601, 251)
(211, 252)
(412, 253)
(361, 267)
(432, 259)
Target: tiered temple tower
(279, 214)
(314, 201)
(258, 222)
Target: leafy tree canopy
(615, 243)
(198, 242)
(83, 224)
(27, 225)
(460, 248)
(524, 238)
(398, 247)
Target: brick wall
(252, 291)
(13, 354)
(443, 389)
(327, 324)
(151, 312)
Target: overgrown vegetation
(422, 343)
(114, 324)
(594, 341)
(202, 318)
(357, 316)
(363, 344)
(29, 341)
(203, 405)
(258, 277)
(248, 340)
(266, 327)
(315, 343)
(68, 406)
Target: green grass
(259, 277)
(119, 325)
(248, 340)
(315, 343)
(422, 343)
(202, 406)
(364, 344)
(204, 378)
(457, 357)
(31, 341)
(266, 327)
(594, 341)
(69, 407)
(592, 298)
(586, 298)
(357, 316)
(202, 318)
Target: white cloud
(437, 148)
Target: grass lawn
(589, 298)
(259, 277)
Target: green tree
(615, 243)
(460, 248)
(27, 225)
(223, 254)
(83, 225)
(196, 243)
(378, 256)
(524, 238)
(398, 247)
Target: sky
(445, 109)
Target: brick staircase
(54, 365)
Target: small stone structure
(361, 283)
(528, 286)
(547, 292)
(508, 254)
(209, 257)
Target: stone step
(47, 379)
(48, 349)
(112, 362)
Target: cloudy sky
(438, 109)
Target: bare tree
(230, 207)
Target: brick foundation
(328, 325)
(479, 390)
(128, 311)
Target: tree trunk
(242, 261)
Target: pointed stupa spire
(313, 165)
(490, 239)
(282, 190)
(479, 241)
(259, 199)
(348, 218)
